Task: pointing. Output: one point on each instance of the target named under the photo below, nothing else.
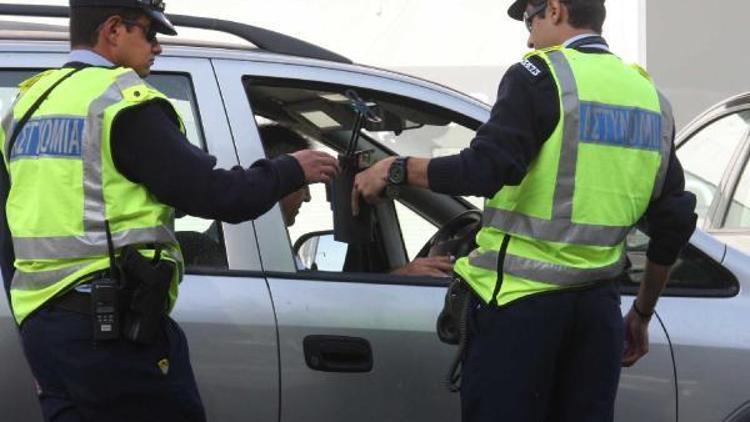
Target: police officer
(92, 150)
(578, 149)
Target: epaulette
(28, 83)
(642, 71)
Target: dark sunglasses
(152, 4)
(148, 31)
(528, 17)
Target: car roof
(252, 43)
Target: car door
(395, 316)
(702, 308)
(224, 307)
(354, 321)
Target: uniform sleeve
(7, 255)
(670, 219)
(524, 116)
(149, 149)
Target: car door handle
(338, 353)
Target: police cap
(516, 9)
(154, 9)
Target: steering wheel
(456, 237)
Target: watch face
(396, 173)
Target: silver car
(285, 326)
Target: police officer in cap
(578, 150)
(119, 167)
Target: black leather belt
(76, 301)
(73, 301)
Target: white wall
(693, 51)
(466, 44)
(697, 51)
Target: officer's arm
(523, 117)
(669, 221)
(149, 149)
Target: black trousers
(550, 357)
(109, 381)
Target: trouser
(108, 381)
(549, 357)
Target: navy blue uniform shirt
(524, 116)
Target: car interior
(373, 241)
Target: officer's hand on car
(636, 338)
(317, 165)
(370, 184)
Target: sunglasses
(148, 31)
(528, 17)
(152, 4)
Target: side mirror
(319, 251)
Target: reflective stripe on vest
(40, 280)
(561, 228)
(550, 273)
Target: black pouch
(145, 291)
(452, 327)
(451, 323)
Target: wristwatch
(398, 174)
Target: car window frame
(232, 73)
(718, 208)
(708, 247)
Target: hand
(435, 266)
(317, 165)
(636, 338)
(371, 183)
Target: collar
(590, 40)
(89, 57)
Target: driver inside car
(279, 140)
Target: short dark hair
(589, 14)
(278, 140)
(85, 22)
(582, 14)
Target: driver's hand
(370, 184)
(435, 266)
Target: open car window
(324, 114)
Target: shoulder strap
(22, 122)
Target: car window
(738, 215)
(694, 273)
(707, 154)
(201, 240)
(323, 113)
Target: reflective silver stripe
(42, 279)
(92, 244)
(94, 212)
(546, 272)
(667, 127)
(562, 207)
(9, 123)
(553, 230)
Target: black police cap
(154, 9)
(516, 9)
